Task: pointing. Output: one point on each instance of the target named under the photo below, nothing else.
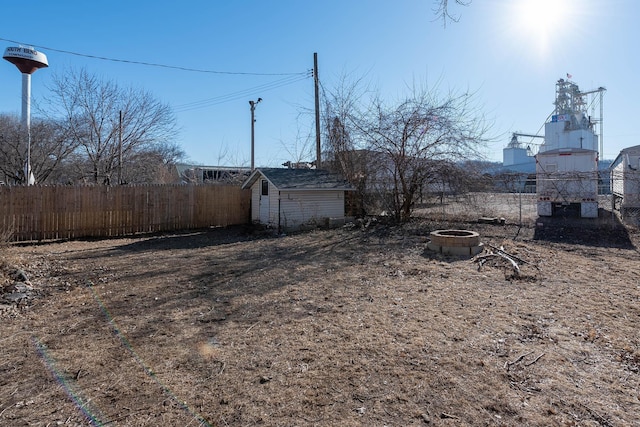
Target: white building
(518, 156)
(292, 199)
(567, 162)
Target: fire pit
(455, 242)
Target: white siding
(256, 190)
(273, 206)
(290, 210)
(255, 202)
(299, 208)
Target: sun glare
(540, 23)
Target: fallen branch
(515, 257)
(445, 415)
(601, 420)
(508, 364)
(534, 360)
(516, 268)
(482, 259)
(250, 327)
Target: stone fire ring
(455, 242)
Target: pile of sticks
(499, 252)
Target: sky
(208, 59)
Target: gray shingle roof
(299, 179)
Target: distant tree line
(92, 131)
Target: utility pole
(315, 83)
(253, 108)
(120, 150)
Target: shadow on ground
(193, 239)
(605, 231)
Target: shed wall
(298, 208)
(273, 206)
(256, 200)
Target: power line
(151, 64)
(239, 94)
(277, 83)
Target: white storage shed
(292, 199)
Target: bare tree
(396, 153)
(443, 11)
(109, 123)
(50, 149)
(154, 165)
(343, 151)
(418, 133)
(300, 149)
(13, 150)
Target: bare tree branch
(399, 150)
(442, 10)
(91, 109)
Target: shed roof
(299, 179)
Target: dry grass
(343, 327)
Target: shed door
(264, 201)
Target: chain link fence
(513, 208)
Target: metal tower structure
(570, 100)
(27, 60)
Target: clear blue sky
(510, 52)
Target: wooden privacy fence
(66, 212)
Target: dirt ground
(357, 326)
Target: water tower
(28, 60)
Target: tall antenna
(27, 60)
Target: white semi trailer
(625, 182)
(567, 161)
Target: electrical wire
(234, 96)
(151, 64)
(288, 79)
